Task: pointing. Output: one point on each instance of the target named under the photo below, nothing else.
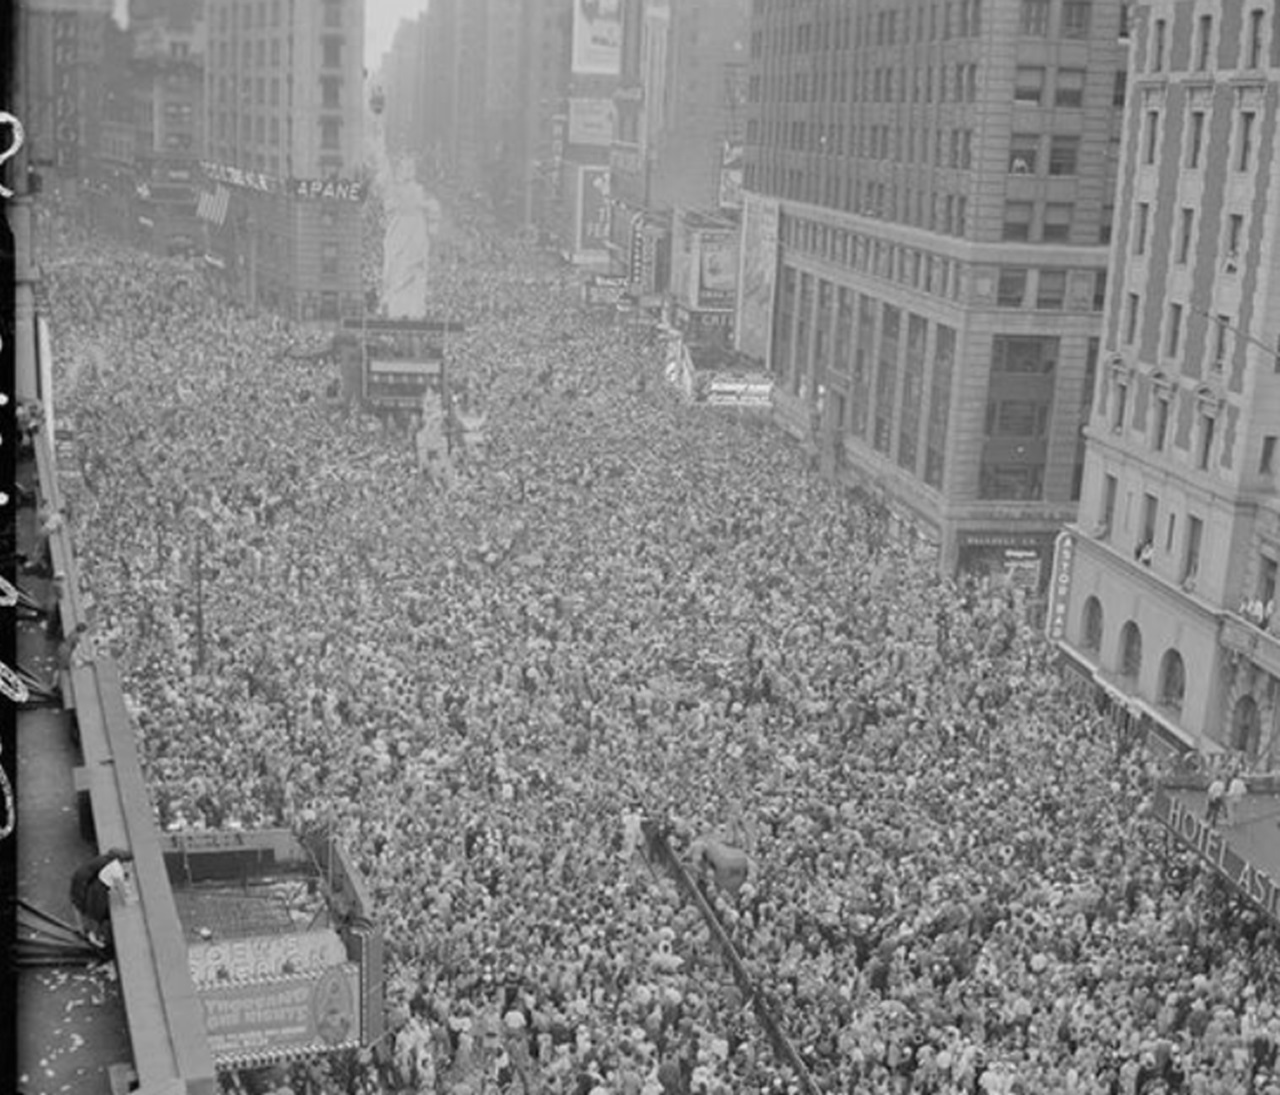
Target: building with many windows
(284, 112)
(1169, 576)
(942, 175)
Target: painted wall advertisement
(593, 209)
(757, 275)
(597, 37)
(591, 122)
(717, 269)
(283, 1018)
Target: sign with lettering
(287, 1018)
(263, 957)
(341, 190)
(591, 122)
(1211, 845)
(594, 212)
(332, 189)
(1064, 553)
(605, 289)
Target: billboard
(597, 37)
(591, 122)
(294, 1016)
(261, 957)
(593, 209)
(717, 269)
(730, 189)
(757, 275)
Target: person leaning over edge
(91, 887)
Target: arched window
(1246, 726)
(1130, 650)
(1173, 679)
(1091, 632)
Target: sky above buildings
(381, 17)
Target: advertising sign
(605, 289)
(289, 1017)
(66, 98)
(403, 383)
(1060, 587)
(1210, 844)
(717, 269)
(262, 957)
(597, 37)
(757, 275)
(730, 194)
(591, 122)
(593, 209)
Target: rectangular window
(1235, 239)
(1245, 160)
(1121, 408)
(1105, 223)
(1076, 16)
(1208, 426)
(1064, 155)
(1151, 138)
(1132, 305)
(330, 92)
(1150, 514)
(1051, 290)
(1204, 40)
(1174, 342)
(1140, 225)
(1017, 220)
(1057, 222)
(1011, 482)
(1012, 287)
(1100, 291)
(1267, 464)
(1119, 88)
(1024, 355)
(1110, 487)
(1023, 148)
(329, 132)
(329, 258)
(1256, 18)
(1195, 141)
(1068, 88)
(1028, 84)
(1191, 560)
(1157, 46)
(1017, 418)
(1161, 432)
(1221, 329)
(1186, 226)
(1035, 18)
(331, 52)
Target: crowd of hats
(631, 608)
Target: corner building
(944, 174)
(1169, 574)
(284, 114)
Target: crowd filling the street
(630, 608)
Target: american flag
(212, 207)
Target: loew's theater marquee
(281, 945)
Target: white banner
(597, 37)
(757, 275)
(591, 122)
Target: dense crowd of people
(631, 609)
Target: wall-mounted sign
(591, 122)
(248, 1023)
(1064, 554)
(263, 957)
(597, 37)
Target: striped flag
(213, 207)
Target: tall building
(938, 178)
(166, 74)
(1168, 577)
(679, 126)
(404, 82)
(284, 113)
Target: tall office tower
(284, 114)
(938, 178)
(404, 82)
(165, 108)
(1169, 574)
